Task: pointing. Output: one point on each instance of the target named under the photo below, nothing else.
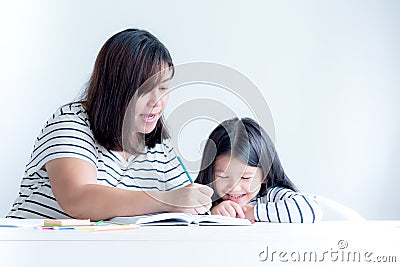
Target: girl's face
(149, 107)
(235, 180)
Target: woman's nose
(153, 98)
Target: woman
(108, 155)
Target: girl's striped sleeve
(284, 205)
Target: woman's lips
(148, 118)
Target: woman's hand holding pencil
(196, 211)
(193, 198)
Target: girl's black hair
(125, 62)
(247, 141)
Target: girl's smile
(234, 198)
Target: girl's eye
(247, 178)
(222, 176)
(163, 88)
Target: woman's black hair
(125, 62)
(246, 140)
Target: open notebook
(176, 218)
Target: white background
(329, 71)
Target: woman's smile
(149, 118)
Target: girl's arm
(75, 187)
(284, 205)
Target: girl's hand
(193, 198)
(229, 208)
(249, 212)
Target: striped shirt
(67, 134)
(284, 205)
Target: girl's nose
(235, 185)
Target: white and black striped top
(67, 134)
(284, 205)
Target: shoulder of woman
(73, 111)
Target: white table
(263, 244)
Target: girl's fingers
(225, 211)
(238, 210)
(231, 209)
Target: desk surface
(258, 245)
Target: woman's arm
(74, 184)
(285, 205)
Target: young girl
(106, 155)
(242, 166)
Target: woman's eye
(163, 88)
(222, 176)
(247, 178)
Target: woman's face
(235, 180)
(150, 106)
